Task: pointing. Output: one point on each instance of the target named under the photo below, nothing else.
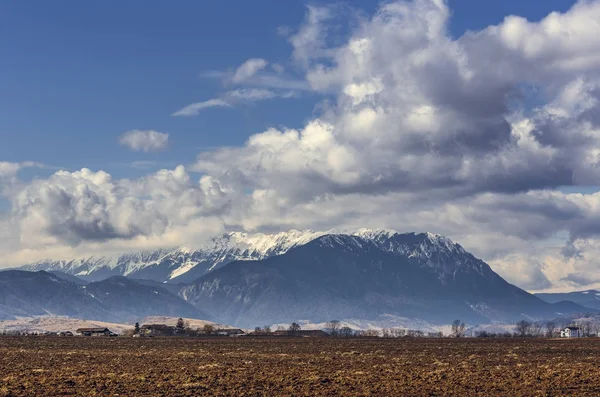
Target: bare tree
(333, 327)
(586, 328)
(208, 329)
(267, 329)
(372, 333)
(596, 327)
(294, 328)
(536, 329)
(257, 330)
(458, 329)
(523, 328)
(398, 332)
(551, 329)
(180, 324)
(346, 332)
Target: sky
(145, 124)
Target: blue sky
(75, 75)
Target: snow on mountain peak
(443, 242)
(263, 243)
(169, 264)
(373, 234)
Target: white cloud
(251, 94)
(278, 68)
(235, 97)
(9, 175)
(309, 40)
(9, 169)
(195, 108)
(248, 69)
(144, 140)
(74, 207)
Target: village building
(570, 332)
(95, 332)
(229, 332)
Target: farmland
(297, 366)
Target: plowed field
(52, 366)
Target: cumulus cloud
(470, 137)
(418, 110)
(73, 207)
(144, 140)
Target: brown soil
(52, 366)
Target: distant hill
(116, 299)
(589, 298)
(57, 324)
(69, 277)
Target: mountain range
(180, 264)
(250, 280)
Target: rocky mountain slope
(116, 299)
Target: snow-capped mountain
(253, 279)
(365, 275)
(180, 264)
(184, 264)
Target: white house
(570, 332)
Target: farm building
(157, 330)
(95, 332)
(570, 332)
(229, 332)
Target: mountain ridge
(185, 264)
